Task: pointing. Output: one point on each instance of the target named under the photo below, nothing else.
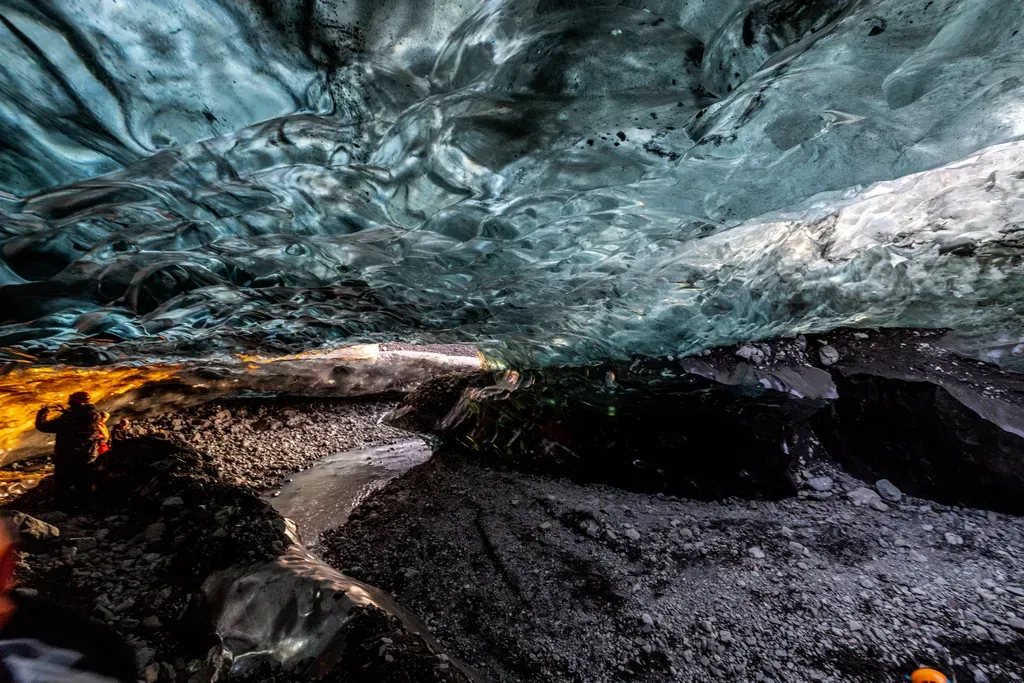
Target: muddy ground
(536, 579)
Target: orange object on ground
(928, 676)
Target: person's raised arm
(44, 423)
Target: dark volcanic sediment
(137, 556)
(828, 576)
(531, 578)
(258, 442)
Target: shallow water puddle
(323, 496)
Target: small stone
(143, 656)
(755, 553)
(85, 544)
(154, 532)
(707, 626)
(862, 496)
(647, 619)
(632, 534)
(686, 534)
(32, 530)
(888, 491)
(609, 535)
(797, 548)
(544, 526)
(152, 623)
(1016, 623)
(917, 557)
(954, 539)
(151, 674)
(173, 502)
(878, 505)
(725, 636)
(821, 484)
(751, 353)
(586, 511)
(26, 592)
(828, 355)
(55, 517)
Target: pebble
(544, 526)
(751, 353)
(1016, 623)
(828, 355)
(173, 502)
(863, 496)
(755, 553)
(143, 656)
(888, 491)
(953, 539)
(632, 534)
(154, 532)
(821, 484)
(85, 544)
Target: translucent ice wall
(564, 180)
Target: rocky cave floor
(530, 578)
(121, 563)
(257, 443)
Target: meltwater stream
(323, 496)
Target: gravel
(794, 590)
(135, 554)
(257, 443)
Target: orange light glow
(26, 389)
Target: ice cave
(512, 340)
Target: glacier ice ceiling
(552, 180)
